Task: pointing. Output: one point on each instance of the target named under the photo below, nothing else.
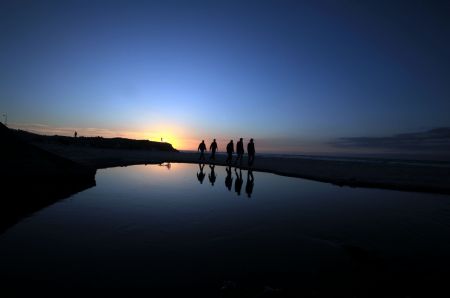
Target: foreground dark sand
(388, 174)
(32, 178)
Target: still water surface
(180, 227)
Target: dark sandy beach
(33, 178)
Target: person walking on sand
(213, 148)
(230, 151)
(239, 151)
(202, 148)
(251, 152)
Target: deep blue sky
(294, 75)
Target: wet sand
(378, 174)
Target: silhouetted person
(250, 183)
(239, 151)
(75, 134)
(251, 152)
(238, 182)
(229, 178)
(230, 151)
(202, 148)
(212, 176)
(201, 175)
(213, 148)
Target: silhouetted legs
(213, 155)
(202, 155)
(229, 158)
(239, 158)
(251, 159)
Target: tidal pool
(222, 231)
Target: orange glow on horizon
(175, 135)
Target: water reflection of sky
(150, 225)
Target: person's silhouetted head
(251, 140)
(214, 140)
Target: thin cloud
(435, 140)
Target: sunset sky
(297, 76)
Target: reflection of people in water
(229, 178)
(250, 183)
(238, 182)
(201, 175)
(212, 176)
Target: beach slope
(33, 178)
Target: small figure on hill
(202, 148)
(239, 151)
(251, 152)
(212, 176)
(75, 134)
(213, 148)
(250, 183)
(230, 151)
(229, 178)
(238, 182)
(201, 175)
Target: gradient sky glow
(294, 75)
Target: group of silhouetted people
(230, 150)
(229, 179)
